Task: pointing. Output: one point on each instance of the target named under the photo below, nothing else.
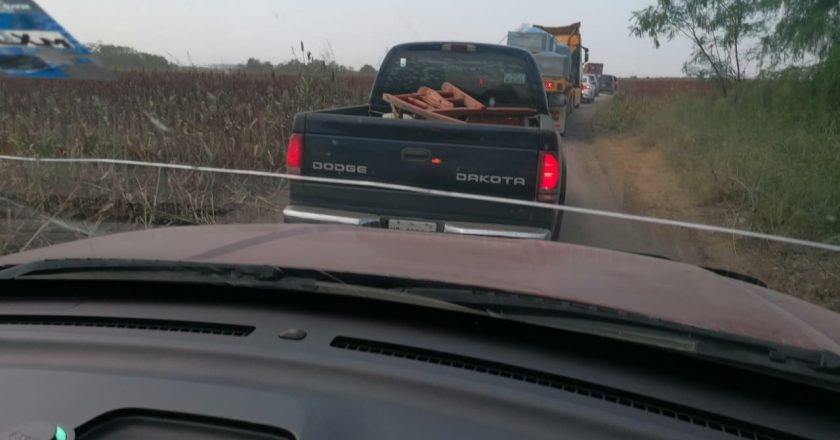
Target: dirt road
(589, 186)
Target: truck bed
(359, 143)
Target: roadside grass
(771, 150)
(764, 158)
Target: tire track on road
(588, 187)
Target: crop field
(215, 119)
(199, 118)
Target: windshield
(505, 76)
(701, 182)
(553, 65)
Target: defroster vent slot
(703, 419)
(161, 325)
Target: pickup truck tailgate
(482, 159)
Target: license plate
(411, 225)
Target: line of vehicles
(569, 77)
(595, 82)
(541, 68)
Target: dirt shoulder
(650, 186)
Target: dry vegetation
(199, 118)
(764, 158)
(239, 121)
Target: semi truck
(554, 61)
(570, 36)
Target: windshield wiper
(716, 270)
(231, 275)
(141, 270)
(820, 365)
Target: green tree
(737, 21)
(806, 27)
(808, 30)
(367, 69)
(255, 65)
(717, 29)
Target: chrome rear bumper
(306, 214)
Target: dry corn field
(197, 118)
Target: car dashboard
(109, 361)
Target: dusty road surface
(619, 174)
(589, 186)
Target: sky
(356, 32)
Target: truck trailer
(570, 36)
(554, 60)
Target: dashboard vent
(684, 414)
(130, 324)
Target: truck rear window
(553, 65)
(495, 78)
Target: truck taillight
(549, 178)
(294, 154)
(549, 85)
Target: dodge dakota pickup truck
(372, 143)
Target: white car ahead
(589, 87)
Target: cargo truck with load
(425, 126)
(570, 36)
(554, 61)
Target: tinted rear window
(497, 78)
(553, 65)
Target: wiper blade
(233, 275)
(722, 272)
(141, 270)
(821, 365)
